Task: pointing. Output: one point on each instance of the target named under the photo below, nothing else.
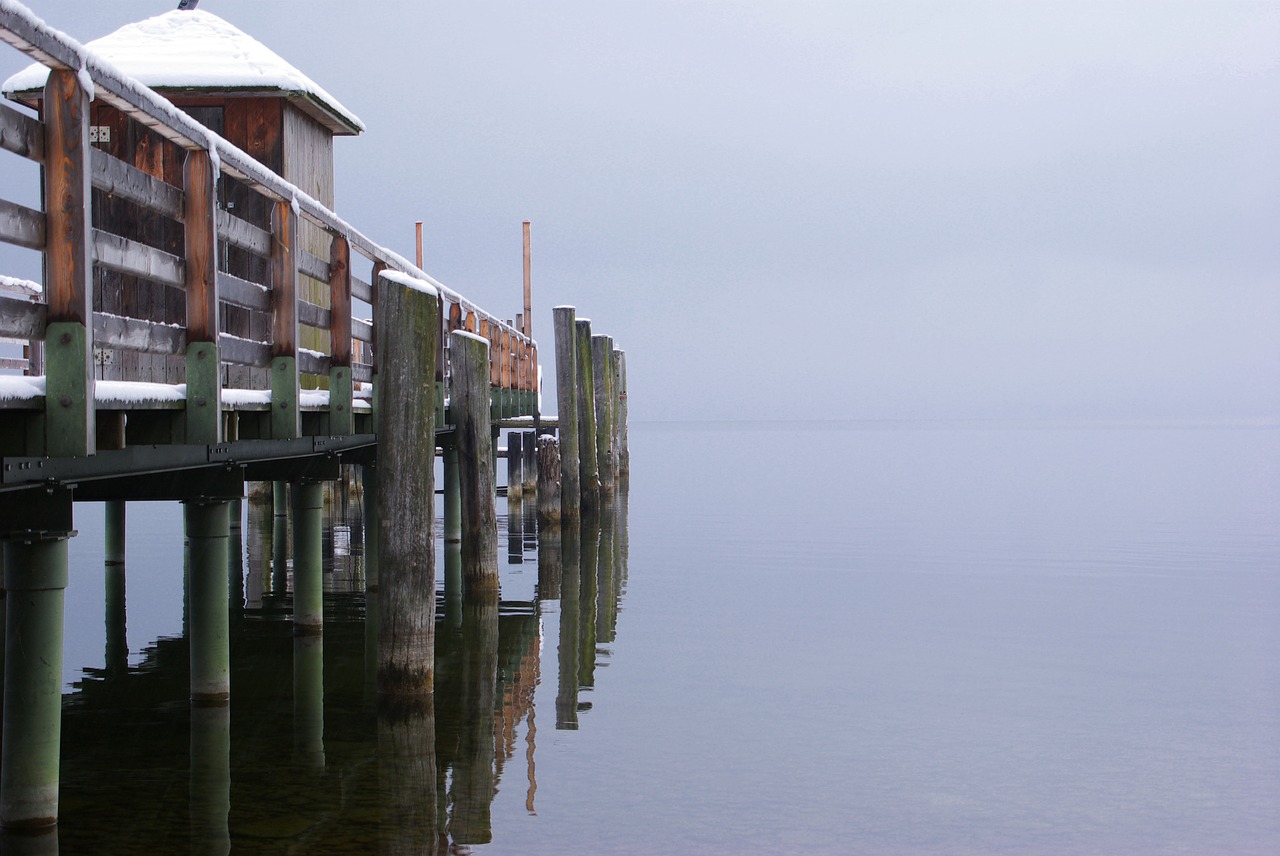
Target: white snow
(194, 49)
(470, 336)
(410, 282)
(243, 397)
(20, 286)
(126, 392)
(20, 388)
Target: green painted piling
(114, 520)
(408, 321)
(280, 498)
(207, 535)
(470, 397)
(602, 369)
(308, 701)
(515, 467)
(35, 579)
(588, 466)
(308, 558)
(209, 788)
(116, 656)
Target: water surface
(831, 638)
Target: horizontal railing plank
(243, 234)
(22, 226)
(361, 290)
(312, 315)
(133, 334)
(21, 319)
(311, 362)
(313, 266)
(131, 257)
(242, 292)
(244, 352)
(114, 176)
(361, 330)
(21, 134)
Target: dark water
(835, 639)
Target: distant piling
(549, 487)
(589, 472)
(624, 453)
(515, 467)
(567, 411)
(602, 371)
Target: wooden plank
(21, 134)
(240, 292)
(22, 226)
(133, 334)
(132, 257)
(69, 417)
(244, 352)
(360, 289)
(361, 331)
(312, 315)
(21, 319)
(200, 241)
(243, 234)
(117, 178)
(309, 362)
(313, 266)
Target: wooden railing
(204, 344)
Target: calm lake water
(832, 638)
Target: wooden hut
(242, 90)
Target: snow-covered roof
(198, 52)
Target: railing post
(341, 420)
(286, 421)
(204, 376)
(69, 409)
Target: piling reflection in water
(303, 759)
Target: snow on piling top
(198, 50)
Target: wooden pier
(277, 342)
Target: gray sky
(852, 210)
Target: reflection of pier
(308, 762)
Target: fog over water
(829, 209)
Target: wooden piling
(589, 472)
(515, 467)
(114, 524)
(567, 411)
(470, 403)
(529, 467)
(624, 452)
(286, 418)
(408, 318)
(549, 498)
(602, 369)
(452, 497)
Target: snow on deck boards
(18, 392)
